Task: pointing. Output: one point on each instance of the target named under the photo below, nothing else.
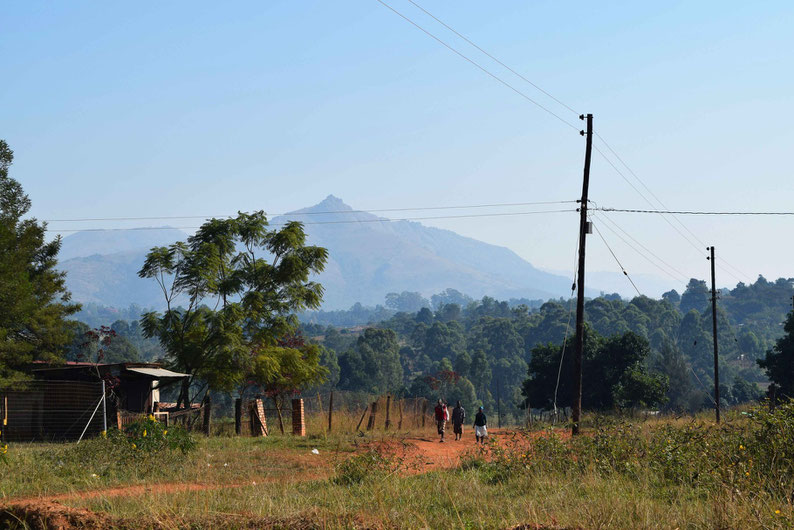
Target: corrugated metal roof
(157, 373)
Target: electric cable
(431, 15)
(568, 324)
(349, 221)
(601, 215)
(649, 260)
(622, 268)
(402, 209)
(496, 77)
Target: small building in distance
(63, 401)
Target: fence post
(388, 411)
(298, 420)
(362, 418)
(207, 414)
(400, 422)
(238, 416)
(4, 424)
(104, 409)
(330, 410)
(372, 413)
(424, 412)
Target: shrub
(149, 436)
(365, 466)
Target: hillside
(368, 259)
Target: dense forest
(642, 352)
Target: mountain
(369, 257)
(82, 244)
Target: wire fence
(52, 410)
(346, 412)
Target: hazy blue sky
(206, 108)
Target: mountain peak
(331, 204)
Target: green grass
(660, 473)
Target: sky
(207, 108)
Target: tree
(34, 302)
(696, 296)
(614, 373)
(100, 345)
(374, 364)
(286, 369)
(241, 285)
(450, 296)
(779, 363)
(407, 301)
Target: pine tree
(34, 302)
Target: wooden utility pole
(714, 331)
(330, 410)
(576, 401)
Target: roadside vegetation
(660, 473)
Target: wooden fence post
(207, 414)
(424, 412)
(388, 411)
(400, 422)
(372, 413)
(330, 410)
(238, 416)
(362, 418)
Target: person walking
(442, 416)
(458, 417)
(480, 426)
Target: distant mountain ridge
(368, 258)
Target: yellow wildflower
(4, 449)
(144, 433)
(151, 417)
(746, 473)
(104, 434)
(134, 446)
(777, 512)
(165, 432)
(741, 448)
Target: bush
(365, 466)
(149, 436)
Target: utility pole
(576, 401)
(714, 330)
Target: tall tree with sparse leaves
(231, 290)
(34, 302)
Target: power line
(428, 13)
(603, 216)
(622, 268)
(378, 220)
(690, 212)
(698, 248)
(422, 208)
(485, 70)
(649, 260)
(658, 200)
(692, 243)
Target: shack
(67, 401)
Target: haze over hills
(369, 257)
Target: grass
(659, 473)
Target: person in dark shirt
(442, 416)
(458, 417)
(480, 426)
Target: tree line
(242, 284)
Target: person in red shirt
(442, 416)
